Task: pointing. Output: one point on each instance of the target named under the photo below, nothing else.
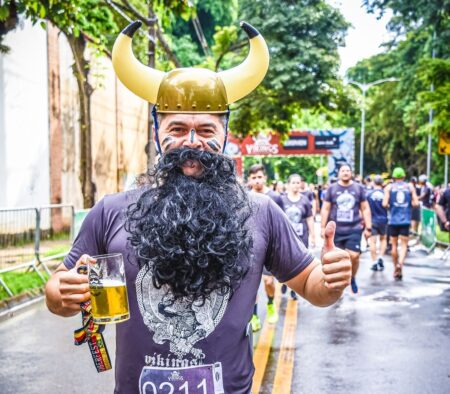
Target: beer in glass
(109, 298)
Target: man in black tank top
(399, 197)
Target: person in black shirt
(443, 209)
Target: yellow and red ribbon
(91, 333)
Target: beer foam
(112, 283)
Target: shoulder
(259, 200)
(120, 201)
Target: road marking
(285, 364)
(262, 351)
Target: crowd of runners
(382, 211)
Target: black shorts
(395, 231)
(379, 229)
(415, 214)
(350, 241)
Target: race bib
(344, 216)
(202, 379)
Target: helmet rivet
(166, 105)
(208, 106)
(220, 106)
(178, 105)
(194, 106)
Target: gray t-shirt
(297, 213)
(345, 206)
(154, 343)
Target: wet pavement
(392, 337)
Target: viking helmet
(190, 90)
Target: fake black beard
(190, 231)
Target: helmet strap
(227, 119)
(156, 126)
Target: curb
(20, 303)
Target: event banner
(337, 144)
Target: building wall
(119, 124)
(24, 139)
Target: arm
(414, 199)
(312, 235)
(323, 282)
(423, 193)
(66, 289)
(387, 193)
(367, 217)
(441, 213)
(325, 213)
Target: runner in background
(306, 191)
(257, 181)
(379, 223)
(426, 195)
(399, 197)
(443, 209)
(415, 213)
(344, 203)
(298, 209)
(368, 183)
(279, 187)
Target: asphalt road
(392, 337)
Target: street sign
(444, 144)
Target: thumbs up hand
(336, 263)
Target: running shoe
(374, 267)
(294, 295)
(381, 264)
(283, 289)
(354, 286)
(398, 273)
(272, 314)
(256, 323)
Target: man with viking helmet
(194, 241)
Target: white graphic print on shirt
(345, 203)
(179, 322)
(294, 215)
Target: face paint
(214, 145)
(167, 142)
(191, 139)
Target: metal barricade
(55, 232)
(18, 237)
(31, 237)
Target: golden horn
(141, 80)
(241, 80)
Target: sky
(364, 37)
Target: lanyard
(92, 334)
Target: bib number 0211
(203, 379)
(169, 388)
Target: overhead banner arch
(337, 144)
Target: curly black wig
(192, 231)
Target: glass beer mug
(107, 284)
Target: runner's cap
(398, 173)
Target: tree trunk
(81, 72)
